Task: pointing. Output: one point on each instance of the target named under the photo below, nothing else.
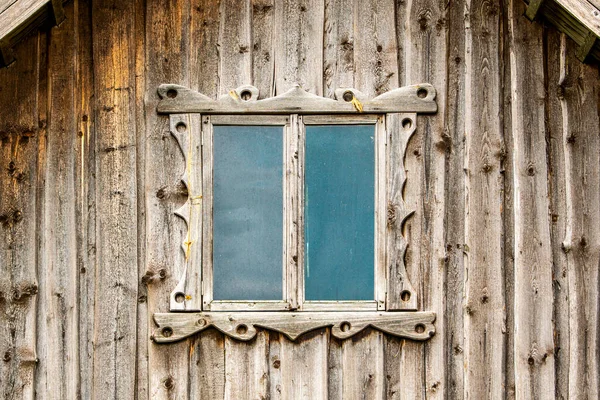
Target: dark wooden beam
(533, 8)
(584, 51)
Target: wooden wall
(504, 246)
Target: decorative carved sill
(173, 327)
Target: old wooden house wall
(505, 178)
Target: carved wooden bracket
(242, 325)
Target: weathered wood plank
(375, 50)
(263, 51)
(424, 50)
(247, 368)
(18, 218)
(338, 46)
(167, 48)
(533, 344)
(335, 370)
(143, 322)
(506, 162)
(455, 203)
(299, 45)
(584, 12)
(579, 103)
(556, 74)
(58, 322)
(207, 366)
(85, 193)
(303, 366)
(116, 296)
(42, 118)
(15, 16)
(235, 40)
(364, 379)
(207, 363)
(484, 310)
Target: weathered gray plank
(581, 240)
(534, 347)
(85, 193)
(484, 302)
(58, 330)
(299, 45)
(423, 47)
(375, 50)
(338, 46)
(42, 117)
(556, 75)
(115, 310)
(506, 162)
(303, 366)
(263, 52)
(167, 52)
(235, 43)
(364, 379)
(18, 217)
(455, 203)
(207, 366)
(207, 363)
(143, 322)
(247, 368)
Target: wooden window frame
(192, 117)
(294, 127)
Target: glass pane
(339, 212)
(248, 212)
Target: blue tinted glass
(339, 212)
(248, 212)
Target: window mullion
(293, 215)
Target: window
(294, 212)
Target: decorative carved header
(244, 100)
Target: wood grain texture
(460, 176)
(580, 90)
(18, 218)
(299, 45)
(455, 202)
(338, 46)
(115, 309)
(263, 51)
(142, 368)
(484, 312)
(556, 75)
(207, 360)
(58, 324)
(235, 43)
(167, 44)
(424, 41)
(533, 345)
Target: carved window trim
(192, 116)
